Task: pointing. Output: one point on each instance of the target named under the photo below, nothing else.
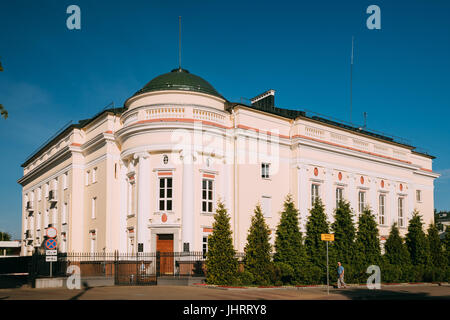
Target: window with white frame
(361, 201)
(207, 195)
(165, 194)
(401, 222)
(265, 170)
(339, 196)
(86, 178)
(93, 207)
(314, 193)
(266, 206)
(204, 245)
(94, 175)
(381, 209)
(419, 195)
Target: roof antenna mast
(351, 82)
(179, 42)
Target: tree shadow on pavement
(85, 289)
(385, 294)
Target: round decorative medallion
(382, 183)
(165, 159)
(164, 218)
(340, 176)
(316, 172)
(362, 180)
(401, 187)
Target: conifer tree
(221, 262)
(344, 233)
(437, 257)
(416, 241)
(257, 251)
(446, 241)
(289, 248)
(396, 252)
(368, 251)
(316, 248)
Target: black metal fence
(124, 268)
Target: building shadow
(12, 281)
(384, 294)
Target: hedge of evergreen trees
(299, 259)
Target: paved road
(202, 293)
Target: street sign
(327, 237)
(51, 244)
(51, 252)
(51, 232)
(51, 258)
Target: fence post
(158, 262)
(116, 275)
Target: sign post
(327, 237)
(51, 254)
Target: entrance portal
(164, 245)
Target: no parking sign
(51, 244)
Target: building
(147, 176)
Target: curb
(298, 287)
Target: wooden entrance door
(164, 244)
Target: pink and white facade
(155, 169)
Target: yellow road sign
(327, 237)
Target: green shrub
(245, 278)
(391, 273)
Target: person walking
(340, 281)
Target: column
(303, 195)
(373, 197)
(330, 194)
(352, 194)
(143, 206)
(393, 203)
(226, 186)
(187, 216)
(123, 208)
(410, 202)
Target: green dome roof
(179, 79)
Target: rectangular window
(94, 175)
(165, 194)
(205, 245)
(314, 193)
(361, 201)
(400, 212)
(266, 206)
(265, 170)
(207, 195)
(418, 195)
(93, 207)
(339, 197)
(381, 209)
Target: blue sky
(299, 48)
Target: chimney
(264, 100)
